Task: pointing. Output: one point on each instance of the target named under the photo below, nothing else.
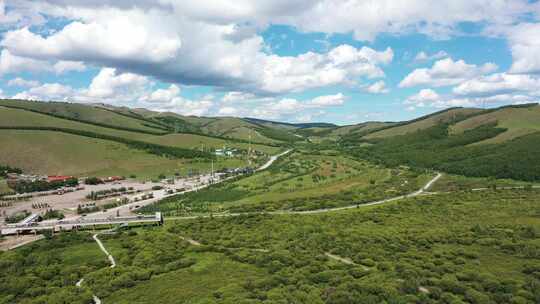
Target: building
(14, 178)
(113, 179)
(225, 152)
(58, 178)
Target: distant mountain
(291, 125)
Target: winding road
(324, 210)
(272, 160)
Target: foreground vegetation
(302, 180)
(466, 247)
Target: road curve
(272, 160)
(416, 193)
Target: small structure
(58, 178)
(113, 179)
(225, 152)
(14, 178)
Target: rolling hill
(448, 115)
(499, 142)
(224, 127)
(517, 120)
(62, 138)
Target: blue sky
(325, 60)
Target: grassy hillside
(47, 152)
(15, 117)
(235, 128)
(425, 122)
(10, 117)
(517, 120)
(435, 148)
(86, 113)
(360, 129)
(193, 141)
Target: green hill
(224, 127)
(47, 152)
(38, 139)
(517, 120)
(425, 122)
(87, 113)
(493, 143)
(362, 128)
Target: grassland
(46, 271)
(518, 121)
(193, 141)
(47, 152)
(85, 113)
(359, 128)
(455, 248)
(424, 123)
(15, 117)
(3, 186)
(298, 181)
(235, 128)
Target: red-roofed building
(58, 178)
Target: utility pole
(249, 149)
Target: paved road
(416, 193)
(272, 160)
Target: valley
(440, 209)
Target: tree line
(435, 148)
(167, 151)
(4, 170)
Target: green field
(518, 121)
(3, 186)
(449, 245)
(84, 112)
(299, 181)
(47, 152)
(422, 124)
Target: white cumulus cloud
(446, 72)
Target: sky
(338, 61)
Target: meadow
(46, 152)
(299, 181)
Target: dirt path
(192, 242)
(344, 260)
(340, 259)
(109, 256)
(102, 247)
